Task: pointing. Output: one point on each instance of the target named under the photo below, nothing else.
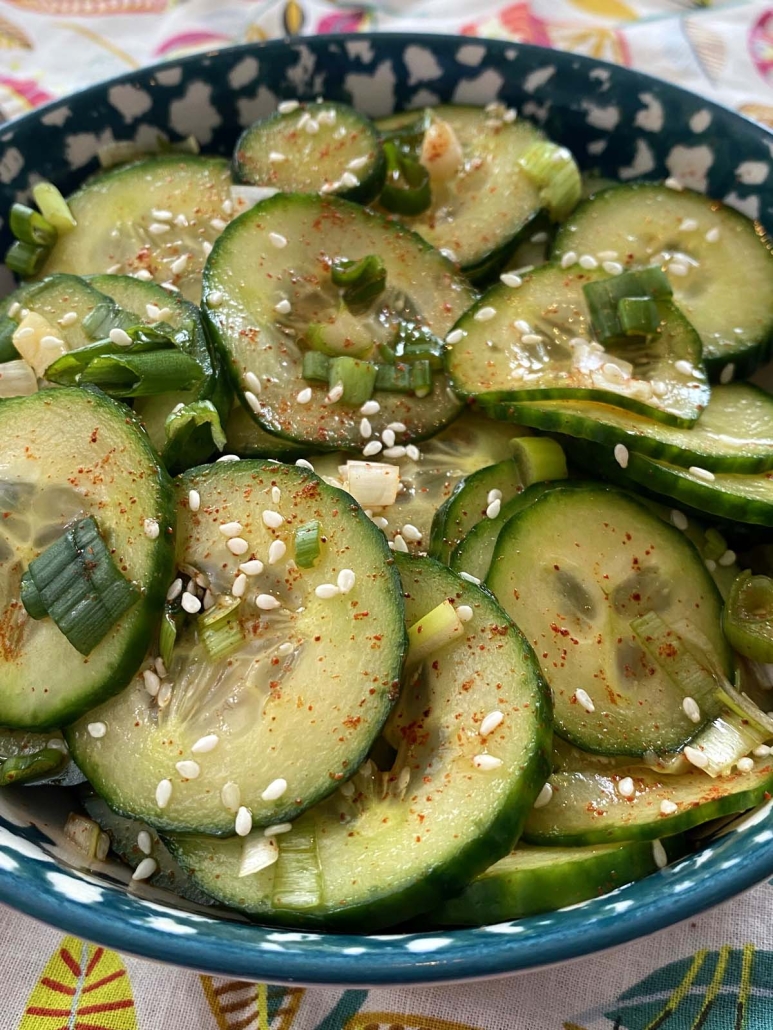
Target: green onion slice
(26, 259)
(30, 227)
(626, 305)
(53, 207)
(142, 374)
(406, 188)
(357, 378)
(433, 631)
(220, 630)
(362, 281)
(307, 544)
(538, 459)
(553, 169)
(35, 766)
(748, 617)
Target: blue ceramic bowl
(621, 122)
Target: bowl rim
(476, 953)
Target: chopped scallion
(538, 459)
(220, 630)
(29, 226)
(357, 377)
(407, 188)
(362, 281)
(748, 617)
(35, 766)
(638, 316)
(421, 378)
(199, 420)
(316, 366)
(553, 169)
(53, 207)
(433, 631)
(142, 374)
(307, 544)
(26, 259)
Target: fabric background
(712, 973)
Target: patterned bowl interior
(615, 120)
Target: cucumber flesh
(536, 343)
(245, 438)
(103, 465)
(275, 690)
(574, 569)
(724, 255)
(733, 434)
(308, 234)
(587, 807)
(316, 148)
(403, 840)
(119, 215)
(537, 879)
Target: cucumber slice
(120, 215)
(733, 434)
(713, 256)
(733, 498)
(124, 836)
(574, 569)
(535, 343)
(533, 880)
(471, 502)
(103, 465)
(479, 210)
(274, 691)
(56, 299)
(180, 448)
(399, 842)
(588, 808)
(315, 148)
(245, 438)
(264, 349)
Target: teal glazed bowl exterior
(620, 122)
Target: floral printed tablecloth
(713, 973)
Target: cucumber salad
(387, 519)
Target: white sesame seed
(612, 267)
(728, 558)
(120, 337)
(274, 790)
(370, 408)
(626, 788)
(301, 463)
(583, 698)
(569, 259)
(304, 395)
(412, 452)
(205, 744)
(206, 246)
(214, 299)
(190, 603)
(727, 373)
(411, 533)
(163, 793)
(544, 796)
(276, 551)
(464, 612)
(325, 591)
(239, 585)
(380, 521)
(144, 842)
(229, 529)
(237, 545)
(67, 319)
(143, 275)
(177, 267)
(470, 579)
(397, 427)
(761, 751)
(288, 106)
(510, 279)
(701, 473)
(486, 763)
(679, 519)
(97, 729)
(371, 448)
(621, 455)
(531, 339)
(187, 769)
(659, 854)
(161, 214)
(335, 394)
(366, 429)
(217, 224)
(164, 695)
(712, 236)
(266, 602)
(588, 262)
(607, 255)
(696, 757)
(388, 436)
(181, 221)
(455, 336)
(152, 682)
(395, 452)
(399, 544)
(493, 510)
(284, 307)
(448, 253)
(277, 240)
(710, 564)
(745, 765)
(349, 179)
(492, 721)
(231, 796)
(170, 286)
(678, 268)
(272, 519)
(668, 807)
(673, 183)
(485, 314)
(158, 228)
(691, 709)
(254, 567)
(151, 529)
(276, 494)
(243, 822)
(688, 225)
(175, 589)
(15, 308)
(145, 869)
(346, 580)
(522, 326)
(286, 648)
(659, 388)
(227, 206)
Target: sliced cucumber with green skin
(274, 689)
(587, 807)
(733, 434)
(399, 842)
(124, 834)
(534, 879)
(56, 299)
(120, 216)
(732, 498)
(480, 209)
(152, 303)
(103, 465)
(469, 504)
(247, 439)
(574, 569)
(536, 343)
(290, 242)
(315, 148)
(712, 254)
